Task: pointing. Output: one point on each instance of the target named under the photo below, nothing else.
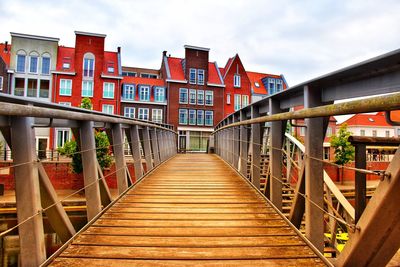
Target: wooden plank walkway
(192, 211)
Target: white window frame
(68, 104)
(185, 113)
(157, 115)
(387, 133)
(228, 99)
(65, 91)
(212, 117)
(278, 82)
(362, 132)
(159, 94)
(200, 121)
(108, 90)
(64, 131)
(1, 83)
(271, 90)
(86, 72)
(86, 90)
(192, 112)
(107, 108)
(200, 96)
(192, 71)
(245, 101)
(30, 64)
(192, 93)
(16, 67)
(236, 80)
(209, 93)
(130, 89)
(144, 90)
(41, 67)
(128, 112)
(200, 73)
(237, 102)
(183, 90)
(143, 114)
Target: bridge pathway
(194, 210)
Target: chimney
(164, 53)
(119, 49)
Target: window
(33, 64)
(326, 153)
(387, 133)
(159, 94)
(144, 93)
(65, 87)
(256, 84)
(62, 137)
(183, 96)
(108, 90)
(45, 65)
(200, 97)
(192, 117)
(87, 89)
(200, 117)
(68, 104)
(147, 75)
(329, 131)
(183, 116)
(1, 83)
(271, 86)
(398, 132)
(279, 85)
(110, 67)
(32, 88)
(374, 133)
(228, 99)
(237, 102)
(129, 73)
(192, 76)
(192, 96)
(209, 120)
(44, 88)
(200, 77)
(129, 112)
(209, 98)
(109, 109)
(88, 65)
(236, 80)
(66, 65)
(362, 132)
(21, 63)
(245, 100)
(19, 89)
(302, 131)
(128, 92)
(143, 114)
(156, 115)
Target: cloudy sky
(300, 39)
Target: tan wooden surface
(192, 211)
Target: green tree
(344, 151)
(70, 148)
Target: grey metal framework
(34, 191)
(242, 132)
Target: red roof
(395, 115)
(222, 71)
(175, 68)
(365, 119)
(145, 81)
(254, 78)
(5, 55)
(65, 55)
(111, 59)
(176, 71)
(227, 66)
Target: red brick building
(5, 51)
(87, 70)
(263, 84)
(237, 85)
(195, 93)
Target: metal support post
(154, 146)
(147, 148)
(236, 143)
(27, 192)
(120, 163)
(135, 149)
(161, 146)
(256, 140)
(314, 172)
(243, 145)
(90, 173)
(360, 180)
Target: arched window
(33, 62)
(45, 69)
(21, 61)
(88, 65)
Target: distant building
(370, 124)
(263, 84)
(195, 93)
(140, 72)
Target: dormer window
(88, 65)
(192, 76)
(256, 84)
(271, 86)
(279, 85)
(110, 67)
(236, 80)
(66, 65)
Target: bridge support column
(27, 192)
(154, 146)
(277, 132)
(244, 141)
(90, 172)
(135, 149)
(256, 140)
(147, 148)
(120, 163)
(314, 171)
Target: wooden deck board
(190, 215)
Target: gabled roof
(65, 54)
(144, 81)
(213, 74)
(368, 119)
(5, 53)
(228, 66)
(255, 79)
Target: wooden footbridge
(194, 210)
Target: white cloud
(301, 39)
